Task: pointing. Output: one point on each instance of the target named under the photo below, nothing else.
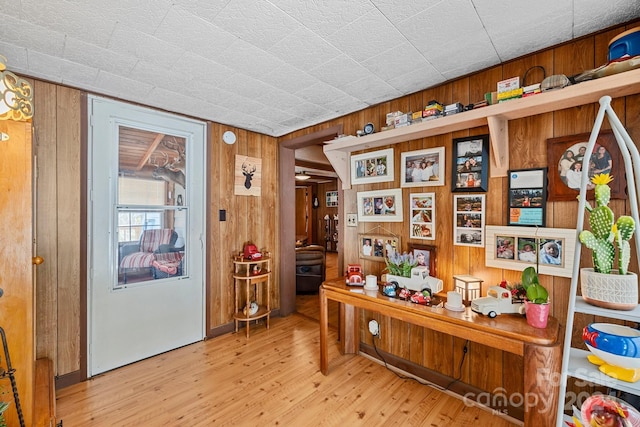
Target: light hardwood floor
(272, 378)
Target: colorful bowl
(606, 410)
(615, 344)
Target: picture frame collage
(470, 168)
(527, 197)
(377, 247)
(468, 220)
(422, 208)
(516, 248)
(524, 241)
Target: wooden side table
(252, 278)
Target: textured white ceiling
(280, 65)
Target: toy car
(497, 301)
(355, 277)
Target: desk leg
(541, 376)
(349, 329)
(324, 332)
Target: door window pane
(152, 209)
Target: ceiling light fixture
(16, 95)
(301, 176)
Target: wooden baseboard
(45, 400)
(66, 380)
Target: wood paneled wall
(60, 236)
(484, 367)
(248, 218)
(60, 233)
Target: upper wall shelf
(495, 116)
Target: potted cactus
(603, 285)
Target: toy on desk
(251, 252)
(418, 280)
(497, 301)
(355, 277)
(421, 297)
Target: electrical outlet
(352, 220)
(374, 328)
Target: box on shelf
(391, 117)
(453, 109)
(403, 120)
(432, 113)
(511, 94)
(531, 90)
(508, 84)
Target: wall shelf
(496, 116)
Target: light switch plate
(352, 220)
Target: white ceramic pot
(614, 291)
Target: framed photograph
(376, 247)
(422, 208)
(527, 197)
(332, 199)
(470, 167)
(426, 256)
(422, 168)
(565, 156)
(516, 248)
(380, 205)
(468, 220)
(374, 166)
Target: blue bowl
(615, 339)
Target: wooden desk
(539, 347)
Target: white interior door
(146, 233)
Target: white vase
(614, 291)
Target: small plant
(536, 293)
(3, 407)
(606, 235)
(400, 265)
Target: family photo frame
(470, 165)
(468, 220)
(376, 247)
(527, 197)
(422, 208)
(373, 166)
(426, 256)
(422, 168)
(516, 248)
(380, 205)
(566, 154)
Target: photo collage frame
(422, 208)
(527, 197)
(516, 248)
(468, 220)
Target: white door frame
(134, 322)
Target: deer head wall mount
(168, 172)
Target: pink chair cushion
(149, 242)
(152, 239)
(138, 260)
